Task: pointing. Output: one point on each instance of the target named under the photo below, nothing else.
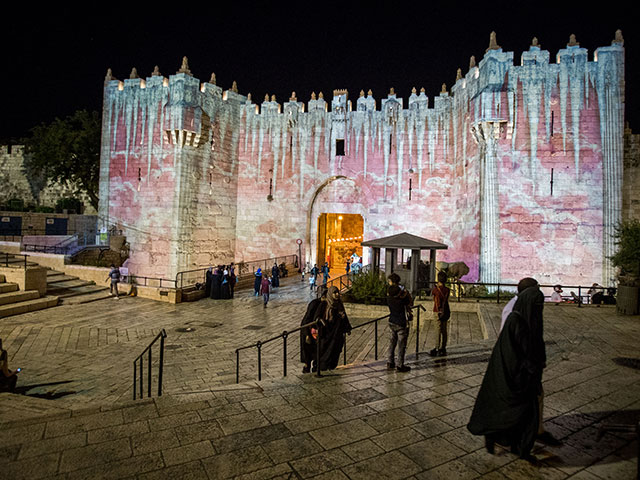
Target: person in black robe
(275, 276)
(333, 324)
(208, 281)
(225, 288)
(506, 409)
(216, 284)
(308, 336)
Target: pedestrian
(399, 301)
(265, 289)
(256, 281)
(542, 435)
(216, 283)
(556, 296)
(309, 336)
(114, 275)
(325, 273)
(225, 290)
(333, 324)
(208, 281)
(275, 276)
(442, 313)
(506, 410)
(348, 267)
(233, 279)
(313, 276)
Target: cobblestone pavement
(77, 419)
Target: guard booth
(395, 263)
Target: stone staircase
(15, 302)
(72, 290)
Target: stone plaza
(74, 416)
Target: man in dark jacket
(399, 301)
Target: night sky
(55, 59)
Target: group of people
(509, 407)
(220, 282)
(315, 271)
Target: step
(60, 278)
(28, 306)
(18, 296)
(81, 290)
(67, 284)
(8, 287)
(53, 273)
(87, 298)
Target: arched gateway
(335, 222)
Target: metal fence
(285, 335)
(189, 278)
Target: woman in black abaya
(332, 324)
(506, 410)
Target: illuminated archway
(337, 196)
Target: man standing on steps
(442, 313)
(114, 275)
(399, 301)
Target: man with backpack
(114, 275)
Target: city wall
(518, 168)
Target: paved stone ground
(77, 419)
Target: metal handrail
(162, 335)
(344, 283)
(135, 280)
(284, 335)
(241, 268)
(580, 297)
(13, 255)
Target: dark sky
(55, 59)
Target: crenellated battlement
(489, 74)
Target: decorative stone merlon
(184, 68)
(212, 80)
(266, 97)
(422, 90)
(109, 76)
(156, 72)
(234, 87)
(534, 42)
(572, 41)
(273, 98)
(321, 96)
(369, 93)
(444, 88)
(392, 91)
(414, 91)
(293, 97)
(458, 75)
(340, 91)
(618, 38)
(493, 43)
(134, 74)
(313, 95)
(361, 93)
(472, 62)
